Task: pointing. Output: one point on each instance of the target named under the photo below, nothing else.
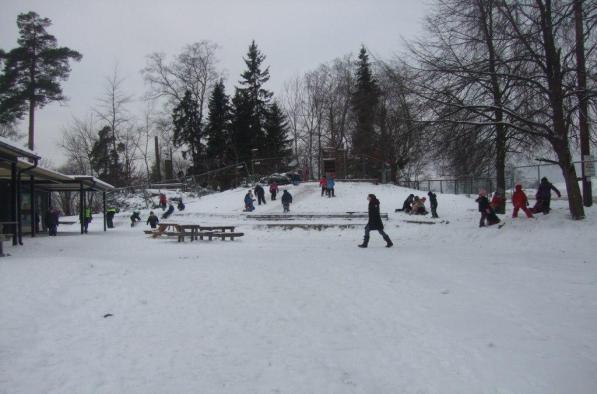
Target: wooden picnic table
(194, 231)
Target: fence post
(441, 186)
(538, 174)
(428, 185)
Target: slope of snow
(450, 309)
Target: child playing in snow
(520, 201)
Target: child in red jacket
(520, 201)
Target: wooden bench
(4, 237)
(225, 235)
(217, 228)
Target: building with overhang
(26, 188)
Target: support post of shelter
(104, 207)
(19, 212)
(32, 201)
(81, 207)
(13, 193)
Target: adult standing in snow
(273, 190)
(323, 183)
(520, 201)
(249, 207)
(110, 217)
(152, 220)
(374, 222)
(543, 196)
(52, 217)
(286, 200)
(260, 193)
(433, 204)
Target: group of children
(260, 193)
(520, 201)
(327, 186)
(415, 205)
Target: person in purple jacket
(543, 196)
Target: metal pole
(538, 174)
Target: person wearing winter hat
(520, 201)
(433, 203)
(374, 222)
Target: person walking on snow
(273, 190)
(152, 220)
(520, 201)
(286, 200)
(323, 182)
(374, 222)
(110, 217)
(260, 193)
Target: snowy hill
(451, 308)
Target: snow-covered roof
(16, 148)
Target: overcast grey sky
(296, 36)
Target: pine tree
(276, 136)
(33, 71)
(251, 104)
(217, 130)
(364, 104)
(187, 127)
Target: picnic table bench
(194, 231)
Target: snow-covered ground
(451, 308)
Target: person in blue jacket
(330, 186)
(249, 207)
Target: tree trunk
(569, 172)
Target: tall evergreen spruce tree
(250, 105)
(217, 130)
(276, 136)
(105, 159)
(187, 128)
(364, 104)
(33, 71)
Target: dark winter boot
(389, 243)
(365, 242)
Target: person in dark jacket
(543, 196)
(110, 217)
(180, 205)
(433, 204)
(168, 212)
(152, 220)
(286, 200)
(260, 193)
(135, 217)
(374, 222)
(483, 206)
(407, 204)
(52, 217)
